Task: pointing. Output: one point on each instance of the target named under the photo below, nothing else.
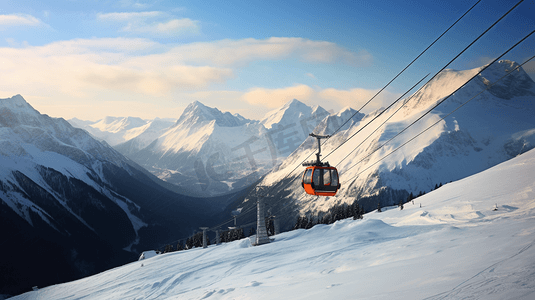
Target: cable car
(319, 178)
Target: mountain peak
(196, 112)
(16, 110)
(292, 112)
(15, 102)
(517, 84)
(294, 102)
(118, 124)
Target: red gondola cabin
(321, 181)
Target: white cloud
(136, 4)
(128, 16)
(239, 52)
(78, 66)
(154, 23)
(19, 20)
(177, 25)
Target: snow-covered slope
(455, 246)
(495, 126)
(64, 191)
(208, 152)
(140, 137)
(118, 130)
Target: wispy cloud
(154, 23)
(19, 20)
(239, 52)
(134, 4)
(128, 16)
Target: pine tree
(189, 243)
(356, 212)
(270, 226)
(168, 248)
(378, 206)
(297, 223)
(310, 223)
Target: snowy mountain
(453, 246)
(140, 137)
(118, 130)
(292, 112)
(66, 198)
(495, 126)
(343, 120)
(208, 152)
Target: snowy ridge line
(411, 139)
(432, 124)
(443, 68)
(379, 114)
(387, 119)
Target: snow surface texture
(495, 126)
(455, 246)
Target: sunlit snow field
(452, 247)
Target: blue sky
(90, 59)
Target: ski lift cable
(379, 114)
(488, 87)
(395, 77)
(253, 208)
(425, 50)
(392, 80)
(436, 40)
(455, 90)
(449, 63)
(439, 104)
(406, 67)
(392, 115)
